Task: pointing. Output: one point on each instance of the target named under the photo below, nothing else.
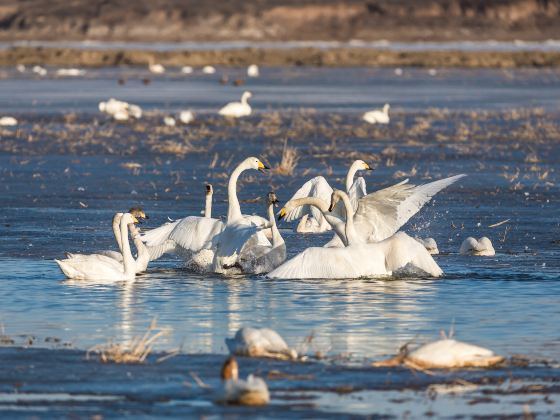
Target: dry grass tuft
(289, 160)
(134, 351)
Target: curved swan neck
(138, 243)
(234, 209)
(321, 204)
(128, 260)
(351, 235)
(276, 237)
(245, 98)
(208, 205)
(117, 229)
(355, 167)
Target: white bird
(155, 67)
(263, 257)
(186, 69)
(41, 71)
(377, 215)
(72, 72)
(143, 256)
(169, 121)
(252, 391)
(8, 121)
(311, 218)
(120, 110)
(237, 109)
(377, 116)
(239, 229)
(444, 354)
(357, 259)
(190, 237)
(20, 68)
(107, 268)
(186, 117)
(483, 247)
(208, 70)
(253, 70)
(430, 245)
(260, 342)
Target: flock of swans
(366, 239)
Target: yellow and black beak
(282, 213)
(368, 167)
(331, 207)
(135, 220)
(261, 166)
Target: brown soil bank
(275, 57)
(214, 20)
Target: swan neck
(117, 231)
(312, 201)
(276, 237)
(350, 176)
(351, 235)
(141, 248)
(234, 209)
(128, 260)
(208, 206)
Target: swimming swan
(260, 342)
(483, 247)
(430, 245)
(377, 116)
(358, 258)
(261, 258)
(252, 391)
(378, 215)
(106, 268)
(237, 109)
(319, 187)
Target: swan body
(251, 392)
(20, 68)
(482, 247)
(41, 71)
(319, 187)
(260, 342)
(120, 110)
(156, 68)
(264, 257)
(253, 70)
(8, 121)
(445, 354)
(104, 268)
(377, 116)
(169, 121)
(72, 72)
(358, 258)
(186, 117)
(237, 109)
(186, 69)
(430, 245)
(208, 70)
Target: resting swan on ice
(237, 109)
(260, 342)
(252, 391)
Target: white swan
(311, 218)
(377, 116)
(357, 259)
(430, 245)
(155, 68)
(71, 72)
(143, 257)
(237, 109)
(208, 70)
(260, 342)
(186, 117)
(106, 268)
(378, 215)
(169, 121)
(8, 121)
(253, 70)
(41, 71)
(483, 247)
(252, 391)
(186, 69)
(262, 258)
(120, 110)
(444, 354)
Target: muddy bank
(336, 57)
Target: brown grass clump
(289, 160)
(134, 351)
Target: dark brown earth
(180, 20)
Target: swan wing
(194, 233)
(315, 187)
(380, 214)
(159, 235)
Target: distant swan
(377, 116)
(357, 259)
(8, 121)
(252, 391)
(155, 67)
(483, 247)
(237, 109)
(260, 342)
(430, 245)
(253, 70)
(208, 70)
(186, 117)
(120, 110)
(107, 268)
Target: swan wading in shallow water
(483, 247)
(262, 258)
(443, 354)
(252, 391)
(378, 215)
(237, 109)
(430, 245)
(260, 342)
(358, 258)
(143, 256)
(107, 268)
(311, 218)
(377, 116)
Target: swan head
(254, 163)
(246, 95)
(230, 370)
(386, 108)
(129, 219)
(138, 214)
(335, 198)
(272, 200)
(363, 166)
(209, 189)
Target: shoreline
(308, 56)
